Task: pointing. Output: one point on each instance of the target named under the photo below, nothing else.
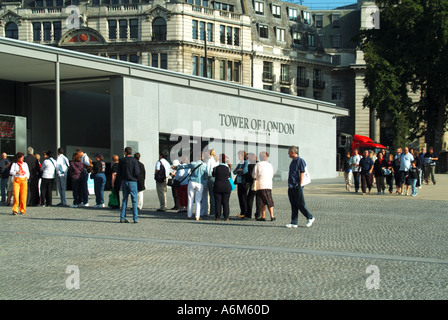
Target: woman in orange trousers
(20, 173)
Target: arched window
(11, 30)
(159, 29)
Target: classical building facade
(266, 44)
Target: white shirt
(353, 161)
(166, 164)
(62, 165)
(15, 170)
(263, 173)
(211, 163)
(48, 168)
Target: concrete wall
(150, 107)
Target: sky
(323, 4)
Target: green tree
(409, 53)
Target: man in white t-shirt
(62, 165)
(354, 164)
(162, 165)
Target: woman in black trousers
(222, 188)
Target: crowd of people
(203, 185)
(407, 170)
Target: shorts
(265, 196)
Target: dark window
(112, 29)
(36, 31)
(159, 29)
(133, 25)
(57, 30)
(47, 31)
(123, 29)
(164, 61)
(264, 31)
(12, 31)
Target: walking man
(295, 189)
(128, 171)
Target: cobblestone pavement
(360, 247)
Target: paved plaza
(360, 247)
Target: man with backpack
(161, 175)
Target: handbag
(232, 184)
(306, 177)
(113, 200)
(254, 186)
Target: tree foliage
(409, 54)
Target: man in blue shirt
(295, 189)
(405, 164)
(366, 166)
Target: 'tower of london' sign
(257, 125)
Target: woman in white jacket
(264, 173)
(48, 175)
(20, 174)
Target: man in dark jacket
(33, 181)
(128, 171)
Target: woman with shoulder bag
(99, 180)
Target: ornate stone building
(261, 43)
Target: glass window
(296, 37)
(229, 71)
(155, 60)
(236, 71)
(280, 34)
(164, 61)
(336, 20)
(36, 31)
(276, 11)
(292, 13)
(123, 24)
(159, 29)
(222, 34)
(195, 65)
(133, 58)
(311, 39)
(306, 17)
(236, 36)
(336, 93)
(259, 7)
(47, 31)
(133, 25)
(319, 21)
(202, 30)
(210, 32)
(264, 31)
(284, 73)
(194, 29)
(57, 30)
(11, 30)
(222, 70)
(229, 35)
(112, 29)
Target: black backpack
(160, 175)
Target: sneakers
(310, 222)
(99, 205)
(290, 225)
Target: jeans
(76, 187)
(62, 186)
(194, 197)
(413, 185)
(297, 201)
(99, 183)
(4, 186)
(356, 176)
(129, 188)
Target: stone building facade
(265, 44)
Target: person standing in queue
(129, 171)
